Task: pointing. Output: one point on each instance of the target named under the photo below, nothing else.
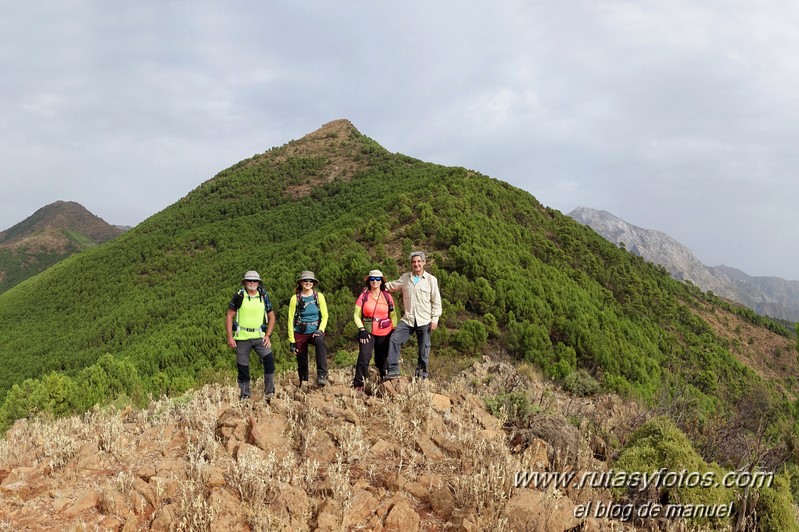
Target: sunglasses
(306, 281)
(375, 279)
(251, 281)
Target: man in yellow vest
(249, 323)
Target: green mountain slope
(143, 314)
(49, 235)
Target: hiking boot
(244, 391)
(268, 398)
(269, 384)
(321, 381)
(358, 389)
(391, 375)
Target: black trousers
(378, 344)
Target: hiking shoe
(391, 375)
(321, 381)
(268, 397)
(358, 389)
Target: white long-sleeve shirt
(422, 300)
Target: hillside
(49, 235)
(406, 456)
(142, 315)
(768, 296)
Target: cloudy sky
(675, 115)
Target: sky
(675, 115)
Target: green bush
(581, 383)
(471, 336)
(659, 444)
(775, 511)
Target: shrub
(659, 444)
(774, 509)
(471, 336)
(581, 383)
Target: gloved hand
(317, 333)
(293, 348)
(363, 336)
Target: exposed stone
(328, 518)
(268, 434)
(536, 456)
(113, 503)
(362, 506)
(441, 403)
(403, 518)
(321, 448)
(163, 519)
(381, 448)
(428, 448)
(292, 503)
(535, 511)
(443, 502)
(88, 498)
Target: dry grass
(475, 463)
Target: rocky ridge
(770, 296)
(405, 456)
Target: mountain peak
(59, 215)
(48, 235)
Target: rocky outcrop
(410, 456)
(769, 296)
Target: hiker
(307, 321)
(422, 302)
(375, 317)
(249, 323)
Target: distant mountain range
(769, 296)
(48, 236)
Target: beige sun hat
(251, 275)
(306, 275)
(374, 273)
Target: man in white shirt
(422, 302)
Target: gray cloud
(675, 116)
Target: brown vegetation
(412, 456)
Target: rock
(113, 503)
(321, 448)
(88, 498)
(328, 519)
(429, 449)
(268, 434)
(381, 448)
(403, 518)
(536, 456)
(531, 510)
(441, 403)
(443, 502)
(362, 506)
(292, 504)
(163, 519)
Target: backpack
(238, 299)
(301, 306)
(386, 294)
